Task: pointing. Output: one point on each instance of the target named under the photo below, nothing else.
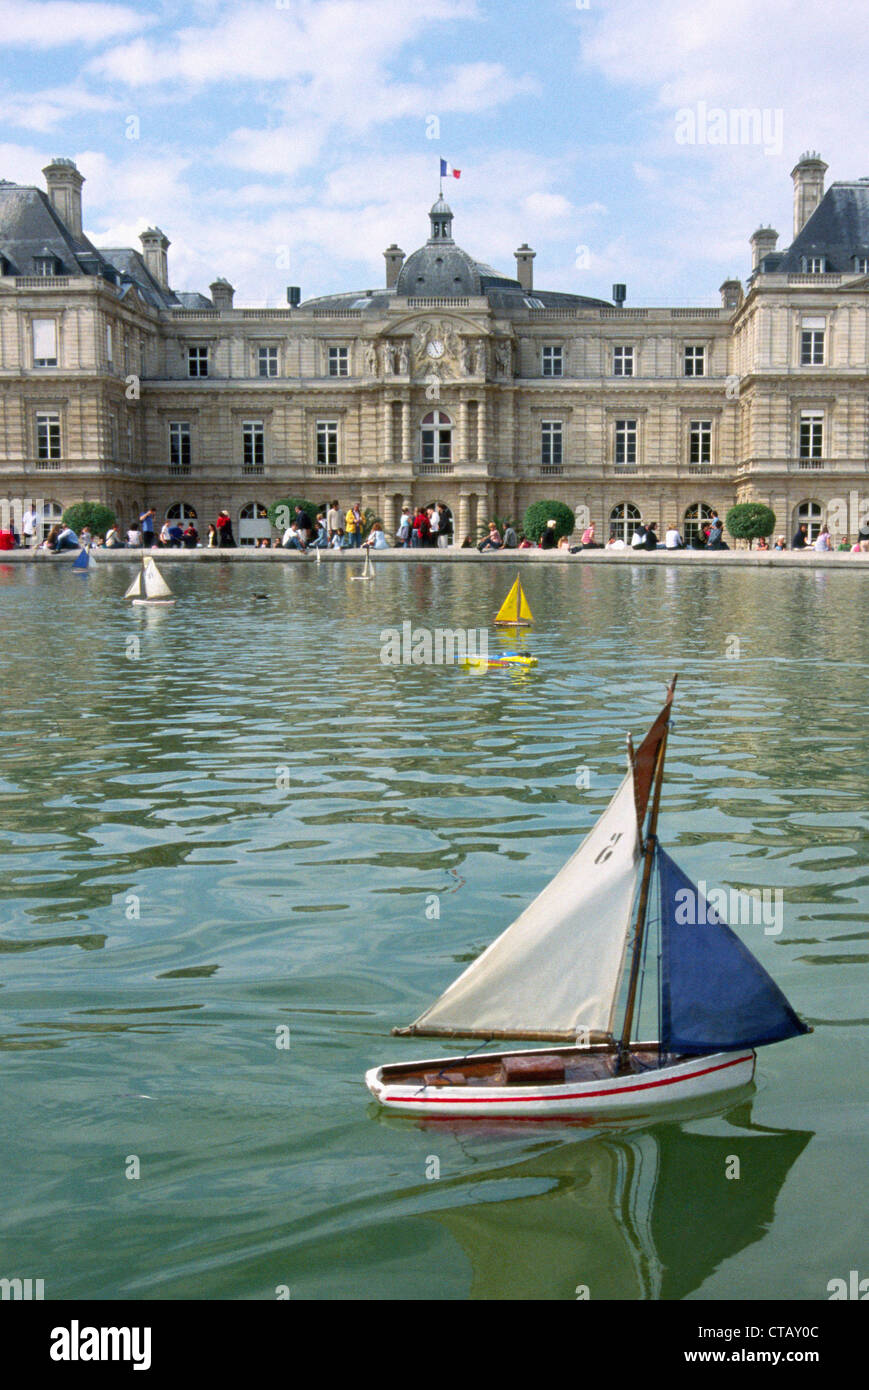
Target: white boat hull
(638, 1092)
(153, 602)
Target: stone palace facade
(451, 381)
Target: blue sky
(285, 142)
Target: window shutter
(44, 340)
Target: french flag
(447, 170)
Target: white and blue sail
(714, 995)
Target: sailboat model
(149, 586)
(559, 971)
(367, 568)
(514, 611)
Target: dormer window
(861, 265)
(45, 265)
(814, 265)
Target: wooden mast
(624, 1062)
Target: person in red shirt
(224, 530)
(421, 528)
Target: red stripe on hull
(575, 1095)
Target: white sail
(556, 969)
(135, 589)
(155, 584)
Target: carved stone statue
(403, 359)
(504, 358)
(387, 357)
(371, 359)
(468, 357)
(481, 358)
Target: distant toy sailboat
(368, 568)
(514, 611)
(149, 586)
(81, 561)
(557, 973)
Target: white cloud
(52, 107)
(60, 22)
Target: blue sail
(81, 561)
(714, 995)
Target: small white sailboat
(149, 586)
(559, 971)
(367, 568)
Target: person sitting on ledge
(113, 538)
(615, 542)
(376, 540)
(823, 541)
(844, 544)
(511, 540)
(763, 543)
(673, 539)
(780, 543)
(801, 539)
(549, 540)
(467, 544)
(292, 538)
(492, 541)
(587, 540)
(66, 539)
(524, 543)
(651, 539)
(190, 537)
(7, 538)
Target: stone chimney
(154, 247)
(731, 294)
(221, 294)
(394, 257)
(808, 177)
(63, 182)
(525, 266)
(762, 243)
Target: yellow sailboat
(514, 611)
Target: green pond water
(249, 829)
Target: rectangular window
(47, 438)
(254, 446)
(700, 443)
(812, 347)
(695, 361)
(109, 345)
(623, 361)
(44, 343)
(626, 444)
(197, 361)
(339, 362)
(267, 361)
(811, 434)
(861, 265)
(179, 446)
(327, 444)
(45, 265)
(551, 444)
(553, 360)
(815, 265)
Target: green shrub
(748, 521)
(95, 515)
(539, 513)
(282, 513)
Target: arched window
(437, 442)
(52, 513)
(253, 524)
(812, 513)
(694, 520)
(181, 511)
(624, 520)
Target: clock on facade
(435, 348)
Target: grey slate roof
(30, 227)
(838, 230)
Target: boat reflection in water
(638, 1214)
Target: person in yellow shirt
(353, 523)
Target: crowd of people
(429, 526)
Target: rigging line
(457, 1061)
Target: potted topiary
(748, 521)
(539, 514)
